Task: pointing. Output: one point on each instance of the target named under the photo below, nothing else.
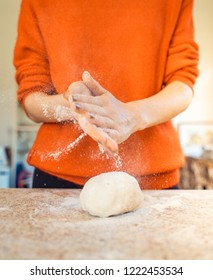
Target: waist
(145, 154)
(156, 181)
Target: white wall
(9, 10)
(201, 108)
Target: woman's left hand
(119, 120)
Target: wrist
(139, 118)
(61, 109)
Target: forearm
(164, 106)
(41, 107)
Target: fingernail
(91, 115)
(86, 73)
(74, 98)
(77, 106)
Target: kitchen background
(195, 125)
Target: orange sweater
(147, 43)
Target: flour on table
(111, 193)
(163, 205)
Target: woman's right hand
(85, 121)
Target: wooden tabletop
(50, 224)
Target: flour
(61, 113)
(45, 110)
(3, 209)
(61, 151)
(117, 159)
(166, 205)
(74, 143)
(58, 112)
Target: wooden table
(50, 224)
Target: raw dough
(111, 194)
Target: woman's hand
(115, 118)
(84, 118)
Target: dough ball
(111, 193)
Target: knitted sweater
(133, 48)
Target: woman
(141, 61)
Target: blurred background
(194, 126)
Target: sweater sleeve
(30, 57)
(183, 56)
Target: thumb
(92, 84)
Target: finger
(91, 130)
(92, 109)
(98, 135)
(79, 88)
(72, 104)
(96, 100)
(113, 133)
(110, 146)
(92, 84)
(102, 122)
